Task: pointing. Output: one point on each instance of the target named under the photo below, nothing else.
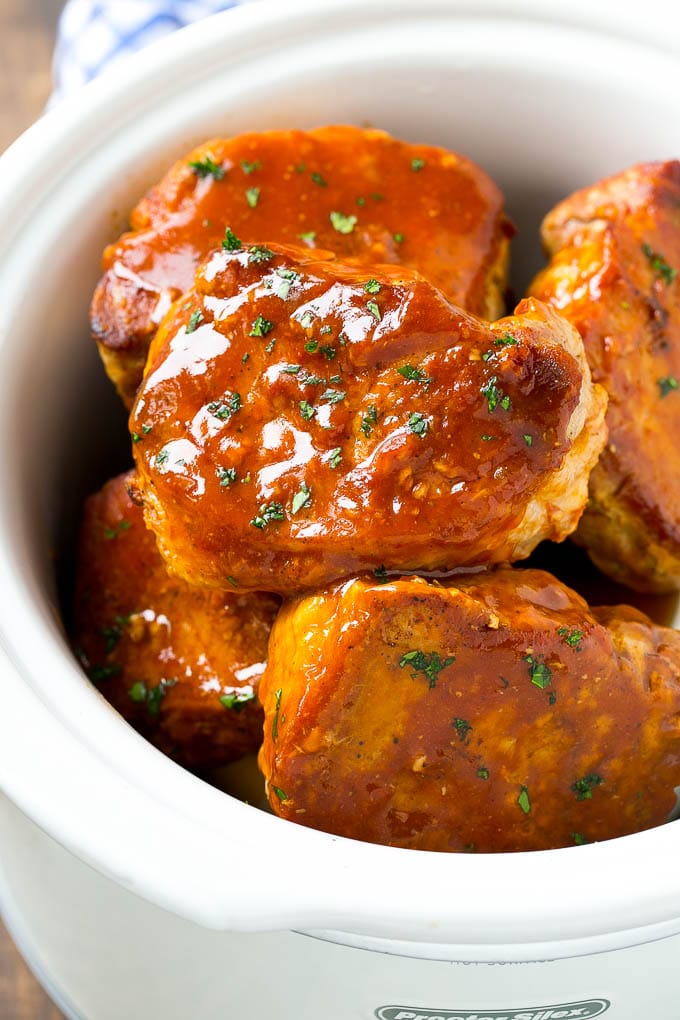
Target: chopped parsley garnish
(146, 429)
(415, 375)
(252, 197)
(507, 340)
(281, 794)
(573, 638)
(115, 531)
(494, 396)
(417, 424)
(482, 773)
(268, 512)
(231, 242)
(311, 380)
(372, 287)
(539, 672)
(195, 320)
(579, 839)
(99, 673)
(150, 696)
(328, 352)
(429, 663)
(300, 168)
(398, 238)
(261, 326)
(232, 581)
(486, 438)
(326, 331)
(335, 456)
(226, 407)
(161, 458)
(462, 727)
(259, 253)
(308, 236)
(369, 420)
(114, 632)
(524, 801)
(583, 788)
(361, 200)
(529, 440)
(306, 410)
(227, 476)
(277, 709)
(284, 281)
(301, 498)
(250, 168)
(380, 574)
(318, 179)
(307, 319)
(374, 309)
(237, 699)
(342, 223)
(291, 369)
(335, 379)
(207, 168)
(666, 385)
(659, 265)
(333, 396)
(312, 346)
(417, 164)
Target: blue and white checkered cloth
(93, 34)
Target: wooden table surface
(27, 30)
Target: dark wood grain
(27, 29)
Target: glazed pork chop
(301, 420)
(359, 193)
(614, 260)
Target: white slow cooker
(135, 890)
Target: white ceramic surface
(546, 100)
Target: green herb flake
(146, 429)
(374, 309)
(195, 320)
(328, 352)
(261, 326)
(398, 238)
(258, 253)
(415, 375)
(539, 673)
(237, 699)
(284, 280)
(281, 794)
(300, 168)
(507, 340)
(583, 788)
(462, 727)
(573, 638)
(333, 396)
(114, 632)
(529, 440)
(277, 709)
(368, 420)
(335, 456)
(226, 476)
(135, 437)
(138, 692)
(312, 346)
(301, 499)
(494, 396)
(666, 385)
(372, 287)
(207, 168)
(428, 663)
(268, 512)
(291, 369)
(659, 265)
(361, 200)
(417, 164)
(245, 358)
(318, 179)
(417, 424)
(306, 410)
(250, 168)
(150, 696)
(342, 223)
(579, 839)
(252, 197)
(483, 773)
(96, 674)
(380, 574)
(161, 458)
(231, 242)
(232, 581)
(307, 319)
(226, 407)
(487, 438)
(308, 237)
(524, 801)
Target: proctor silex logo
(563, 1011)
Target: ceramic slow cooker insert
(135, 889)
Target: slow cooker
(135, 890)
